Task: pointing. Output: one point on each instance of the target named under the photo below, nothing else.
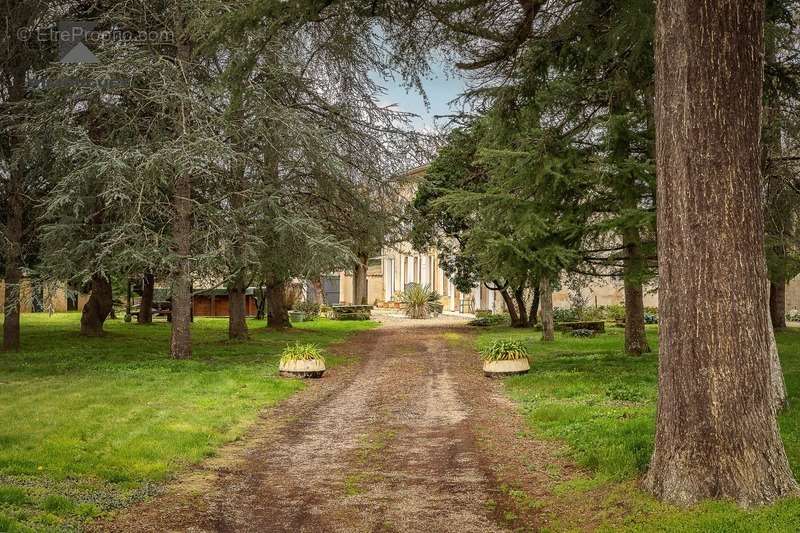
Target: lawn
(601, 403)
(88, 425)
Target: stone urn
(302, 368)
(506, 367)
(297, 316)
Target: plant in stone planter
(505, 358)
(310, 310)
(302, 361)
(419, 301)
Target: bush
(419, 301)
(593, 313)
(595, 325)
(565, 315)
(301, 352)
(583, 332)
(614, 312)
(352, 316)
(793, 315)
(650, 318)
(483, 313)
(310, 309)
(491, 320)
(503, 350)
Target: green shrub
(418, 301)
(565, 315)
(501, 319)
(504, 350)
(793, 315)
(593, 313)
(483, 313)
(580, 332)
(614, 312)
(352, 316)
(650, 318)
(301, 352)
(596, 325)
(311, 309)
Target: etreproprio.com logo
(72, 37)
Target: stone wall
(793, 294)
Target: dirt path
(410, 438)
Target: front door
(330, 286)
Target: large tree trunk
(360, 281)
(181, 341)
(97, 308)
(777, 304)
(777, 383)
(237, 313)
(512, 308)
(277, 314)
(522, 311)
(716, 431)
(546, 303)
(635, 336)
(14, 226)
(533, 315)
(145, 315)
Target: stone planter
(297, 316)
(306, 368)
(509, 367)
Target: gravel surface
(411, 437)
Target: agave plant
(419, 301)
(301, 352)
(503, 350)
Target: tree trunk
(237, 310)
(512, 309)
(13, 273)
(777, 383)
(532, 316)
(278, 314)
(546, 303)
(181, 342)
(716, 431)
(97, 308)
(261, 306)
(360, 281)
(635, 336)
(522, 311)
(146, 305)
(777, 304)
(14, 225)
(319, 293)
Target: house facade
(399, 265)
(38, 300)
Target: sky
(440, 88)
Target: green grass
(601, 403)
(92, 424)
